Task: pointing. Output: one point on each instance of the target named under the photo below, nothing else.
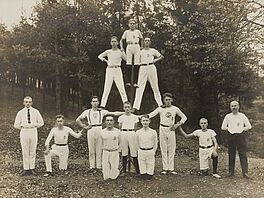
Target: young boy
(113, 71)
(111, 140)
(128, 124)
(133, 38)
(60, 148)
(207, 147)
(147, 143)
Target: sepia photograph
(132, 98)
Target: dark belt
(96, 125)
(206, 147)
(128, 129)
(164, 125)
(146, 64)
(236, 134)
(132, 43)
(110, 150)
(61, 144)
(146, 149)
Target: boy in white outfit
(111, 140)
(113, 71)
(128, 125)
(133, 38)
(60, 147)
(207, 147)
(147, 143)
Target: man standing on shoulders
(27, 121)
(236, 124)
(167, 137)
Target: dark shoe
(25, 173)
(230, 175)
(203, 173)
(149, 177)
(245, 175)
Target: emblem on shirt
(95, 115)
(238, 124)
(134, 36)
(115, 138)
(168, 114)
(148, 55)
(208, 139)
(64, 136)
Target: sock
(215, 162)
(124, 163)
(135, 161)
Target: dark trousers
(128, 72)
(237, 142)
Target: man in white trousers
(148, 72)
(111, 139)
(147, 144)
(27, 121)
(60, 147)
(167, 128)
(113, 71)
(94, 118)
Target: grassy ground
(78, 182)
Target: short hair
(234, 102)
(59, 116)
(109, 115)
(27, 97)
(114, 37)
(94, 97)
(127, 102)
(167, 94)
(145, 116)
(147, 38)
(204, 119)
(130, 20)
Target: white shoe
(216, 176)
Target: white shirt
(111, 139)
(205, 137)
(168, 114)
(114, 57)
(128, 121)
(61, 135)
(21, 120)
(147, 138)
(148, 55)
(236, 123)
(93, 117)
(132, 36)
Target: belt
(132, 43)
(61, 144)
(146, 64)
(110, 150)
(96, 125)
(206, 147)
(28, 127)
(113, 66)
(164, 125)
(236, 134)
(146, 149)
(128, 129)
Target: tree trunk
(58, 81)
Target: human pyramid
(104, 145)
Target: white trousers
(113, 75)
(29, 140)
(128, 142)
(147, 73)
(204, 157)
(95, 147)
(133, 50)
(167, 147)
(146, 161)
(62, 152)
(110, 164)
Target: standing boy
(207, 147)
(60, 147)
(27, 121)
(111, 139)
(133, 38)
(128, 124)
(148, 72)
(167, 137)
(147, 143)
(237, 123)
(113, 71)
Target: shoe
(173, 172)
(128, 84)
(203, 173)
(245, 175)
(164, 172)
(48, 173)
(136, 86)
(122, 174)
(216, 176)
(230, 175)
(25, 173)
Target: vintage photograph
(132, 98)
